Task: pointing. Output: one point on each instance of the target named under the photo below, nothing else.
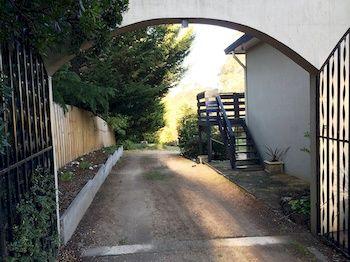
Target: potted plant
(275, 163)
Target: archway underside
(55, 61)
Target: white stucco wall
(311, 28)
(278, 103)
(305, 30)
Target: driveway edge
(72, 216)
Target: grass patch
(301, 249)
(110, 149)
(155, 175)
(130, 145)
(123, 242)
(66, 176)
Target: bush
(301, 206)
(119, 124)
(5, 96)
(188, 136)
(35, 212)
(189, 139)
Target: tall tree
(50, 24)
(134, 72)
(232, 76)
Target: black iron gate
(333, 145)
(26, 118)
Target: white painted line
(166, 246)
(118, 250)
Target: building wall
(278, 106)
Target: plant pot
(274, 167)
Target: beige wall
(77, 133)
(278, 106)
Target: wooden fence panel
(77, 133)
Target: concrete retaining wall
(75, 212)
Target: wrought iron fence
(26, 118)
(333, 145)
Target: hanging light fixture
(184, 23)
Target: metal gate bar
(333, 145)
(27, 123)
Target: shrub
(119, 124)
(130, 145)
(5, 96)
(188, 136)
(189, 139)
(35, 212)
(151, 137)
(301, 206)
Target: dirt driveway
(158, 206)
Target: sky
(207, 55)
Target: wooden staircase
(246, 152)
(227, 112)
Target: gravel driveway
(158, 206)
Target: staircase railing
(226, 131)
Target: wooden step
(247, 152)
(248, 168)
(249, 159)
(241, 137)
(245, 145)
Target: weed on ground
(155, 175)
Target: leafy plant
(57, 25)
(305, 149)
(118, 123)
(126, 81)
(35, 212)
(276, 154)
(84, 165)
(188, 136)
(301, 206)
(70, 89)
(5, 95)
(110, 149)
(131, 145)
(67, 176)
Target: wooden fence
(77, 133)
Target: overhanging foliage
(52, 24)
(133, 73)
